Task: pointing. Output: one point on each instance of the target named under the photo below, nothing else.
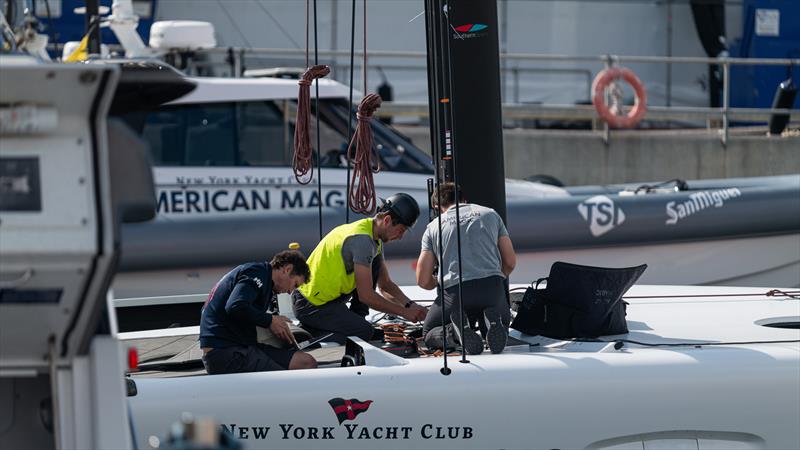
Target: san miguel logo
(348, 409)
(601, 213)
(698, 202)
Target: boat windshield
(260, 133)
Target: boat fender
(611, 113)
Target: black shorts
(250, 358)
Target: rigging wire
(233, 22)
(350, 102)
(303, 158)
(450, 139)
(362, 194)
(316, 121)
(278, 24)
(364, 56)
(771, 293)
(433, 36)
(441, 277)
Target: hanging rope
(362, 195)
(303, 160)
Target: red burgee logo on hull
(348, 409)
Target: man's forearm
(393, 293)
(382, 303)
(427, 282)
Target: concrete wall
(581, 157)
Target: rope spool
(614, 114)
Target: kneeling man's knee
(366, 331)
(302, 360)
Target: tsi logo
(601, 213)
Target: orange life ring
(602, 81)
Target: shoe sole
(497, 336)
(468, 338)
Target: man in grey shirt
(487, 258)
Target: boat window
(397, 153)
(265, 136)
(192, 135)
(210, 135)
(261, 133)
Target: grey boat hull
(713, 225)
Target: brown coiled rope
(303, 160)
(362, 193)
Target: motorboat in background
(694, 233)
(224, 150)
(226, 194)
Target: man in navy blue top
(238, 303)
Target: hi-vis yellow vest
(329, 279)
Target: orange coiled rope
(394, 332)
(362, 193)
(303, 160)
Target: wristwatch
(408, 304)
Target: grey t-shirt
(481, 227)
(359, 249)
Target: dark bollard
(784, 98)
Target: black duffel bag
(578, 302)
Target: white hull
(556, 395)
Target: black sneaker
(467, 337)
(497, 336)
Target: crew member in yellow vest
(347, 265)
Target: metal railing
(237, 58)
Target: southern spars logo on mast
(470, 30)
(601, 213)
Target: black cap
(402, 206)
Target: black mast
(470, 74)
(465, 112)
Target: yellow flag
(80, 53)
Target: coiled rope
(359, 152)
(303, 160)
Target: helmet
(403, 206)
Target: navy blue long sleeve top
(237, 303)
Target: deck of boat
(705, 316)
